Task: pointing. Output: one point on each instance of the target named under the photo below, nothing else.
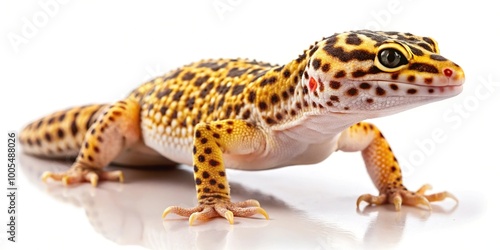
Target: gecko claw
(229, 217)
(398, 201)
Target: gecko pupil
(391, 58)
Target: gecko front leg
(384, 169)
(210, 142)
(116, 129)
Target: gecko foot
(79, 173)
(224, 209)
(401, 196)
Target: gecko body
(243, 114)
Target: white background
(80, 52)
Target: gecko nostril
(448, 72)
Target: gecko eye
(391, 58)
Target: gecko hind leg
(116, 129)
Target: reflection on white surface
(130, 214)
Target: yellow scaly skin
(218, 114)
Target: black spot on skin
(163, 110)
(238, 89)
(216, 135)
(197, 134)
(286, 73)
(200, 80)
(365, 85)
(428, 80)
(335, 84)
(358, 73)
(334, 98)
(275, 98)
(329, 103)
(212, 182)
(430, 91)
(205, 175)
(345, 56)
(207, 151)
(393, 169)
(189, 103)
(86, 145)
(195, 168)
(284, 95)
(60, 133)
(201, 158)
(222, 173)
(204, 140)
(177, 96)
(48, 137)
(90, 158)
(221, 102)
(219, 126)
(423, 67)
(188, 76)
(100, 139)
(268, 81)
(316, 63)
(340, 74)
(369, 100)
(235, 72)
(394, 76)
(326, 67)
(411, 78)
(96, 149)
(306, 75)
(380, 91)
(164, 92)
(353, 39)
(270, 121)
(262, 106)
(279, 116)
(221, 186)
(229, 110)
(393, 86)
(438, 57)
(259, 74)
(246, 115)
(223, 89)
(51, 120)
(61, 118)
(251, 96)
(411, 91)
(311, 52)
(352, 91)
(204, 92)
(213, 163)
(426, 46)
(416, 51)
(73, 127)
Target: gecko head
(379, 73)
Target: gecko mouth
(388, 88)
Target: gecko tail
(60, 134)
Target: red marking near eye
(448, 72)
(312, 84)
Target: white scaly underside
(308, 140)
